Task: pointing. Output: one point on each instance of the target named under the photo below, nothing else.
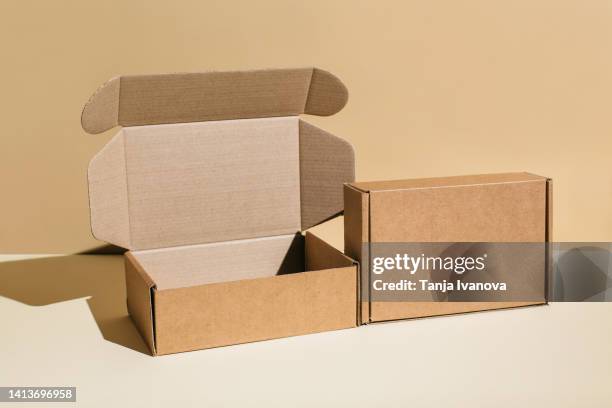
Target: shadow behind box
(212, 210)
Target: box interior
(193, 265)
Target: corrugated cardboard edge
(326, 163)
(140, 302)
(154, 99)
(549, 240)
(356, 229)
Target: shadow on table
(44, 281)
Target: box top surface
(198, 97)
(442, 182)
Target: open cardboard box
(208, 185)
(488, 208)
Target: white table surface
(64, 323)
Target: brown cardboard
(511, 207)
(140, 299)
(191, 183)
(185, 186)
(224, 304)
(197, 97)
(211, 210)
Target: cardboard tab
(198, 97)
(108, 198)
(326, 162)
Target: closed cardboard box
(209, 185)
(493, 208)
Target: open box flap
(198, 97)
(178, 184)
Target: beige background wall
(437, 88)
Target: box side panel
(204, 182)
(326, 162)
(355, 221)
(320, 255)
(139, 300)
(508, 212)
(245, 311)
(505, 212)
(356, 230)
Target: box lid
(165, 185)
(197, 97)
(444, 182)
